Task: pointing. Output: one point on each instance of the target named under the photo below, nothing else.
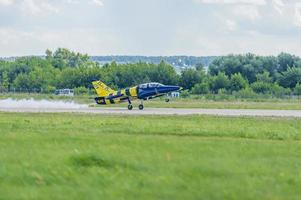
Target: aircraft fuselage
(143, 92)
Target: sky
(150, 27)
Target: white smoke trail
(39, 104)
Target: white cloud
(38, 7)
(33, 7)
(72, 1)
(92, 41)
(279, 6)
(251, 2)
(247, 11)
(214, 27)
(278, 3)
(225, 43)
(42, 7)
(298, 14)
(6, 2)
(231, 25)
(98, 2)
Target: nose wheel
(130, 107)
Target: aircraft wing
(156, 96)
(114, 96)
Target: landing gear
(130, 106)
(99, 100)
(167, 100)
(141, 106)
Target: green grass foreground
(78, 156)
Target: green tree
(250, 65)
(48, 54)
(190, 77)
(285, 61)
(185, 94)
(218, 82)
(278, 91)
(264, 77)
(163, 73)
(65, 58)
(291, 77)
(261, 87)
(237, 82)
(22, 82)
(5, 81)
(200, 88)
(199, 67)
(297, 90)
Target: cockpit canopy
(148, 85)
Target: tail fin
(101, 89)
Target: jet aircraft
(142, 92)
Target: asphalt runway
(156, 111)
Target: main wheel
(130, 106)
(166, 100)
(141, 107)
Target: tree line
(176, 61)
(242, 75)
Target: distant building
(64, 92)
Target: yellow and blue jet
(142, 92)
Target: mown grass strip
(238, 127)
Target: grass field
(77, 156)
(234, 104)
(273, 104)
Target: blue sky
(150, 27)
